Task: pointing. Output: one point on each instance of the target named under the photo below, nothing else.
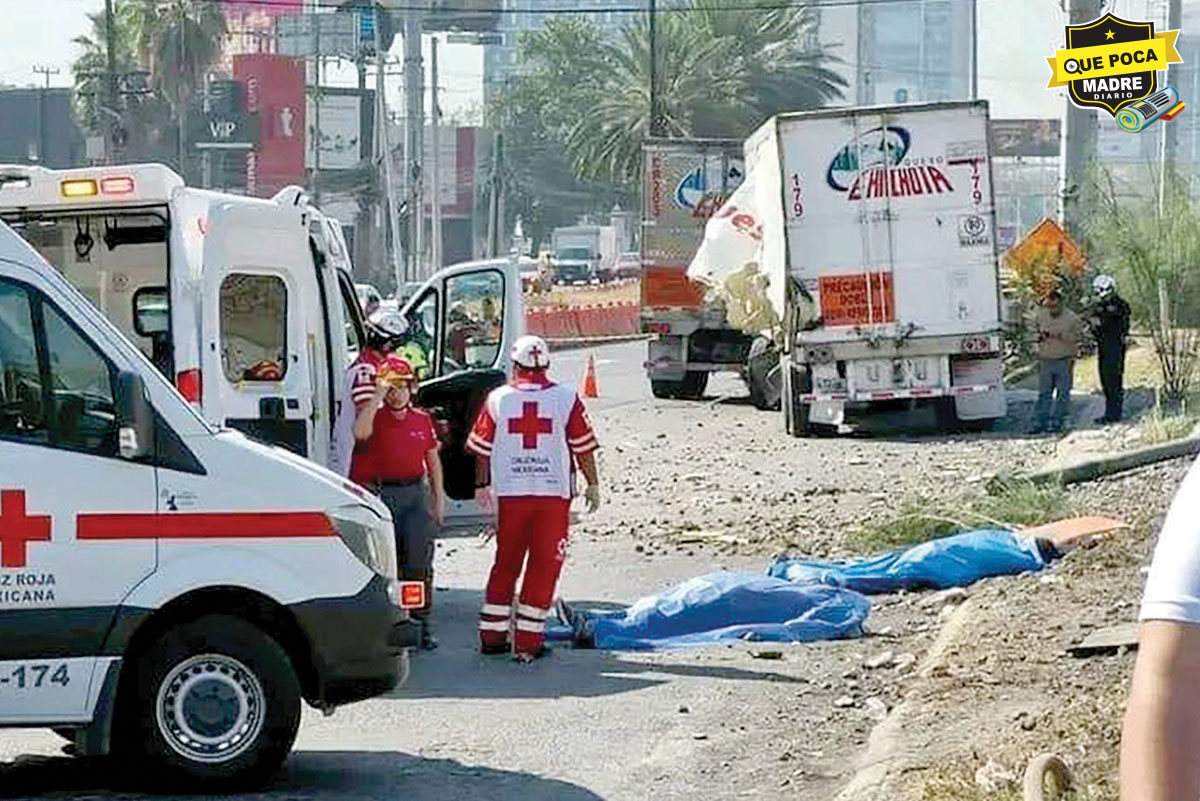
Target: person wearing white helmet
(1110, 327)
(529, 435)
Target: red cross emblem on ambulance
(17, 528)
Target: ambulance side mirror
(135, 424)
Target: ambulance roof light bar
(33, 187)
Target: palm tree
(721, 70)
(181, 40)
(90, 69)
(176, 40)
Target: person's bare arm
(483, 471)
(1161, 736)
(364, 424)
(587, 464)
(433, 465)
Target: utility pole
(435, 136)
(974, 49)
(495, 201)
(383, 144)
(110, 36)
(414, 98)
(1174, 73)
(46, 72)
(655, 112)
(316, 176)
(1080, 145)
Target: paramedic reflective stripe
(479, 444)
(527, 625)
(532, 612)
(496, 610)
(214, 525)
(900, 394)
(493, 625)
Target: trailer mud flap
(665, 358)
(976, 372)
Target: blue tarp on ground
(954, 561)
(720, 607)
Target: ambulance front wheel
(218, 703)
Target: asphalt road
(620, 377)
(576, 726)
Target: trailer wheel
(693, 386)
(215, 703)
(764, 376)
(796, 411)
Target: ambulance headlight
(368, 536)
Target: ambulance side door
(470, 359)
(69, 553)
(257, 351)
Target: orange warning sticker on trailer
(858, 299)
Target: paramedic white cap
(530, 351)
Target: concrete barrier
(584, 322)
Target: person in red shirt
(397, 450)
(529, 435)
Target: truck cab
(248, 305)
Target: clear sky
(40, 33)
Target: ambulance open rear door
(257, 353)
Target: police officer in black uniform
(1110, 326)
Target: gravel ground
(681, 474)
(720, 478)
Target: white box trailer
(875, 230)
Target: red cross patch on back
(530, 426)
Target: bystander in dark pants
(1112, 380)
(1055, 377)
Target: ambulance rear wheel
(218, 704)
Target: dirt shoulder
(998, 686)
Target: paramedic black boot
(428, 641)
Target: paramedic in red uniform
(527, 434)
(397, 449)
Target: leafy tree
(564, 64)
(1152, 246)
(721, 70)
(182, 39)
(176, 41)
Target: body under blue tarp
(954, 561)
(723, 607)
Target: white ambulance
(248, 306)
(170, 591)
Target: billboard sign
(275, 92)
(1026, 137)
(343, 135)
(334, 34)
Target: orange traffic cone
(589, 379)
